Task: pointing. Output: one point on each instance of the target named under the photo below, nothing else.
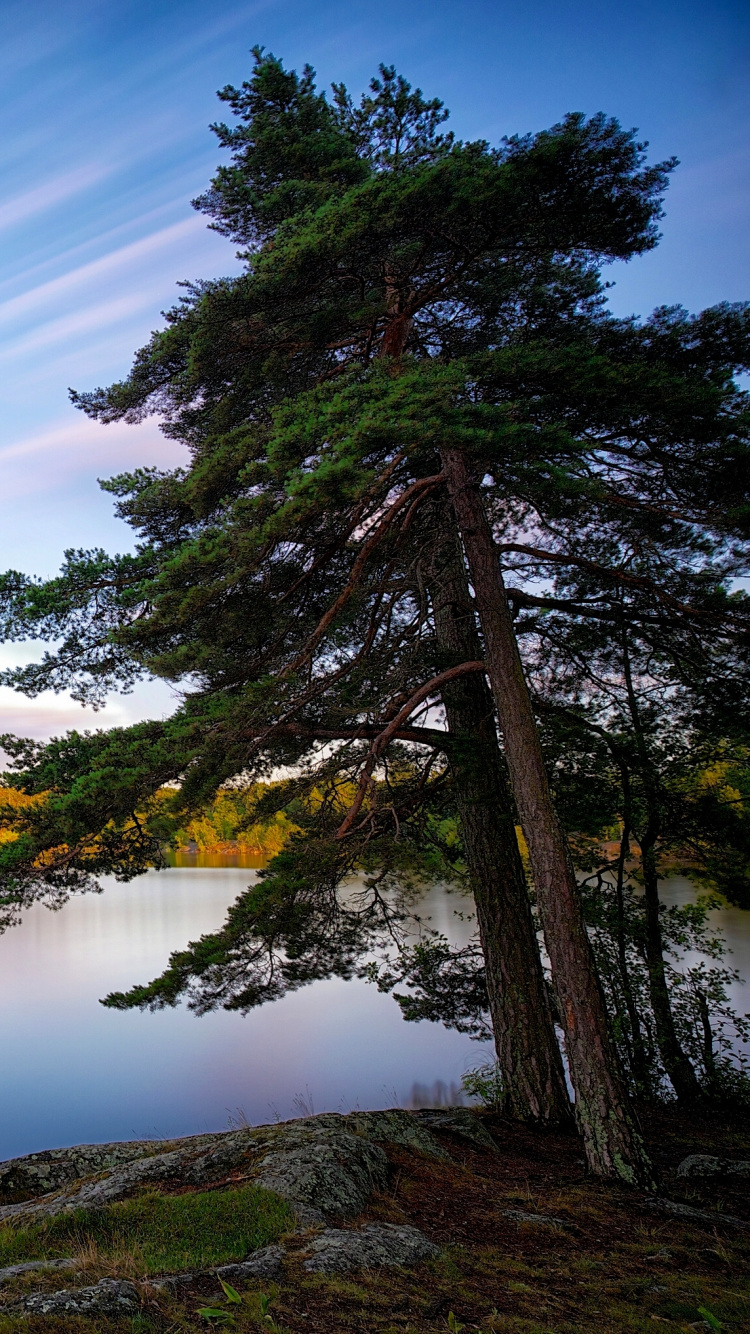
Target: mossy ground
(614, 1268)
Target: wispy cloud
(99, 269)
(85, 321)
(53, 715)
(51, 193)
(42, 462)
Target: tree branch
(381, 741)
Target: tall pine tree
(419, 320)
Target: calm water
(74, 1072)
(734, 925)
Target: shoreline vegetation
(231, 825)
(227, 826)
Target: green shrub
(486, 1084)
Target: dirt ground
(604, 1261)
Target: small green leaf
(231, 1293)
(454, 1325)
(710, 1319)
(214, 1313)
(265, 1302)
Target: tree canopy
(420, 328)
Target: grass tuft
(153, 1233)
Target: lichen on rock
(461, 1121)
(324, 1172)
(707, 1165)
(111, 1297)
(371, 1247)
(325, 1166)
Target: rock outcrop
(110, 1297)
(15, 1271)
(324, 1166)
(706, 1165)
(679, 1210)
(371, 1247)
(39, 1173)
(263, 1264)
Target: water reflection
(247, 860)
(438, 1094)
(731, 923)
(74, 1072)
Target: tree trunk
(527, 1050)
(709, 1055)
(612, 1143)
(639, 1062)
(677, 1065)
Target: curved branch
(381, 741)
(419, 488)
(617, 576)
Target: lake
(73, 1072)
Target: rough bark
(527, 1050)
(612, 1143)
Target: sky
(104, 140)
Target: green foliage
(446, 984)
(402, 289)
(710, 1319)
(711, 1032)
(485, 1083)
(166, 1233)
(230, 1293)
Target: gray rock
(220, 1159)
(109, 1297)
(13, 1271)
(265, 1263)
(317, 1165)
(322, 1172)
(686, 1211)
(461, 1121)
(185, 1164)
(520, 1216)
(372, 1247)
(706, 1165)
(39, 1173)
(173, 1282)
(323, 1165)
(395, 1126)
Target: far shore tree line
(458, 551)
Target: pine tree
(418, 318)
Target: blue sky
(105, 108)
